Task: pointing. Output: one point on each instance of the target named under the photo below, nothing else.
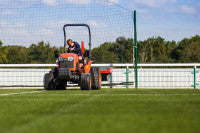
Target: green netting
(23, 22)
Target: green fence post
(122, 54)
(111, 81)
(195, 78)
(127, 76)
(135, 42)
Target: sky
(170, 19)
(23, 22)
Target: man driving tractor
(72, 67)
(74, 47)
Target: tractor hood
(68, 60)
(67, 55)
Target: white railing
(149, 75)
(109, 64)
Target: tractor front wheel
(48, 82)
(86, 81)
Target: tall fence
(26, 22)
(149, 75)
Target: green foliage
(17, 54)
(155, 50)
(3, 58)
(152, 50)
(124, 48)
(183, 53)
(191, 53)
(170, 46)
(41, 53)
(104, 54)
(115, 52)
(60, 50)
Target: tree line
(151, 50)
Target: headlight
(70, 58)
(61, 58)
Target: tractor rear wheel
(86, 83)
(48, 82)
(96, 78)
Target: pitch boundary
(7, 94)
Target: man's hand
(71, 49)
(80, 57)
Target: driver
(74, 47)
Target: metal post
(122, 55)
(127, 76)
(111, 80)
(111, 65)
(195, 85)
(135, 42)
(195, 78)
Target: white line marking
(20, 93)
(133, 94)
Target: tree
(191, 53)
(170, 47)
(104, 54)
(142, 52)
(41, 53)
(3, 58)
(155, 50)
(124, 49)
(179, 53)
(17, 54)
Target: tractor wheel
(86, 83)
(48, 82)
(61, 85)
(96, 78)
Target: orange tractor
(70, 69)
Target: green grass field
(107, 110)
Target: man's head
(70, 42)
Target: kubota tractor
(70, 69)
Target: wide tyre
(86, 83)
(48, 82)
(96, 78)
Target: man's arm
(78, 48)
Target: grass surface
(107, 110)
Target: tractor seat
(86, 55)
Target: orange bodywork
(67, 55)
(87, 67)
(76, 61)
(82, 47)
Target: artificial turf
(107, 110)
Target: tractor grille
(66, 64)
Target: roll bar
(71, 25)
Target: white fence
(149, 75)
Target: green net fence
(24, 22)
